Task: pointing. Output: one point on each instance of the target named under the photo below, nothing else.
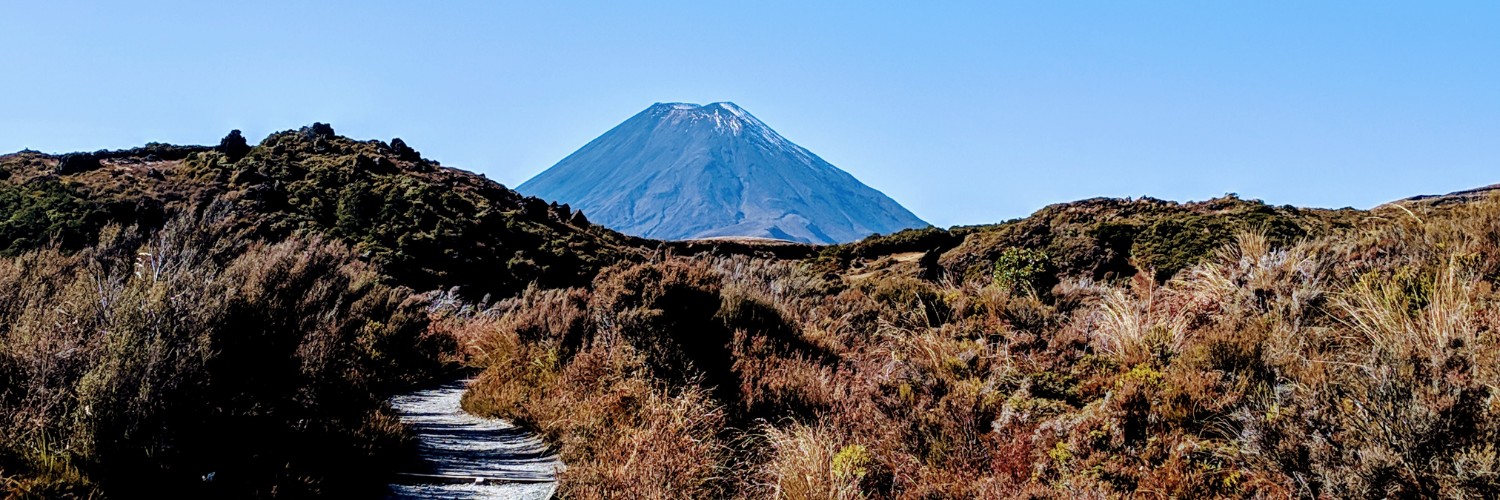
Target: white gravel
(460, 448)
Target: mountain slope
(1467, 195)
(682, 171)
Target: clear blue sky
(964, 112)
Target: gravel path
(471, 457)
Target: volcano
(683, 171)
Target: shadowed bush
(186, 362)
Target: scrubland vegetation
(1351, 358)
(181, 322)
(228, 322)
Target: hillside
(427, 225)
(1467, 195)
(682, 171)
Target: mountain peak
(725, 105)
(683, 171)
(721, 111)
(674, 106)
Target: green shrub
(1022, 270)
(45, 211)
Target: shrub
(1023, 270)
(619, 433)
(234, 146)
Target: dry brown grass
(813, 463)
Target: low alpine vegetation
(230, 321)
(1358, 364)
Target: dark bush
(74, 163)
(404, 152)
(234, 146)
(668, 312)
